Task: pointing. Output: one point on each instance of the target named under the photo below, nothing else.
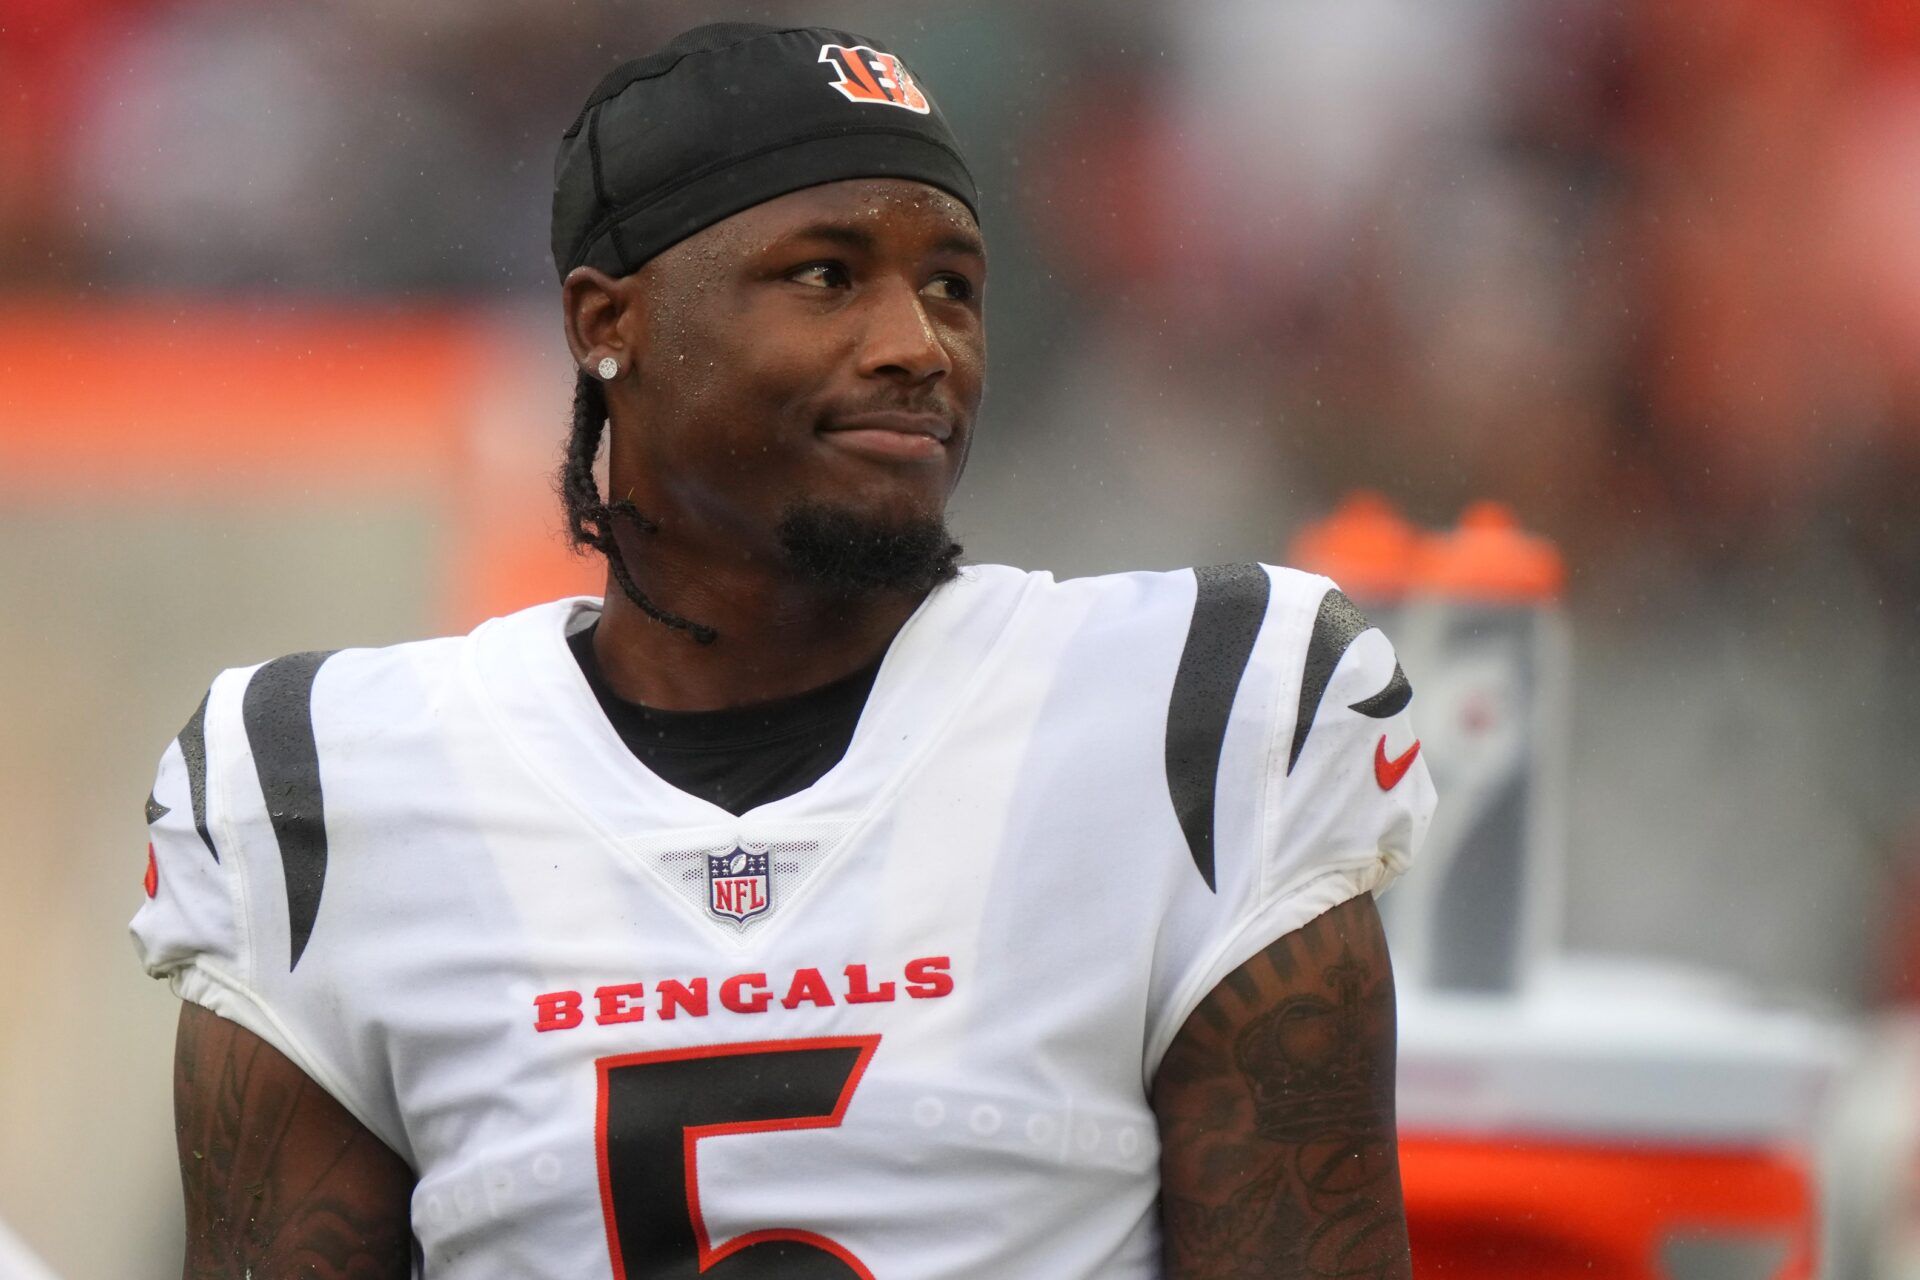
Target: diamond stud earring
(608, 368)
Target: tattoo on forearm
(1276, 1113)
(280, 1181)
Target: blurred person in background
(977, 924)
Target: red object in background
(1365, 545)
(51, 59)
(1376, 555)
(1897, 958)
(239, 402)
(1116, 190)
(1890, 29)
(1488, 557)
(1506, 1209)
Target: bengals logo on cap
(868, 75)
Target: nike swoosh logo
(1389, 772)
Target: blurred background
(280, 369)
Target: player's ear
(603, 318)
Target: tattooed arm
(281, 1182)
(1276, 1115)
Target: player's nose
(900, 342)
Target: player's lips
(891, 433)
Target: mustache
(933, 400)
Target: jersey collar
(524, 675)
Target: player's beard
(854, 554)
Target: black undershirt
(738, 757)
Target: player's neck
(774, 637)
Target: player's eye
(952, 287)
(822, 275)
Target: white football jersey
(902, 1023)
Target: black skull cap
(726, 116)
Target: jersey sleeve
(1321, 792)
(213, 861)
(190, 919)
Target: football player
(811, 906)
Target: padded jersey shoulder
(1250, 642)
(313, 724)
(348, 706)
(1151, 597)
(365, 699)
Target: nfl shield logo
(738, 885)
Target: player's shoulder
(355, 696)
(1251, 596)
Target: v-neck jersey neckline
(730, 728)
(522, 669)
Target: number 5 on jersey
(655, 1108)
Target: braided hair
(590, 521)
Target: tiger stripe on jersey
(1336, 626)
(277, 710)
(1390, 701)
(193, 749)
(1229, 604)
